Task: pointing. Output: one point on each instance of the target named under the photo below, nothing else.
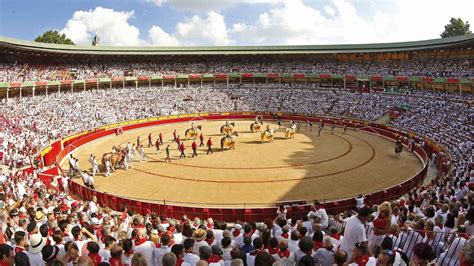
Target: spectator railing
(446, 244)
(246, 211)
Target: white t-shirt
(359, 202)
(105, 254)
(148, 250)
(191, 258)
(35, 259)
(353, 233)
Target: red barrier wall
(244, 214)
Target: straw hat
(39, 216)
(199, 234)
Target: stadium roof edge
(29, 46)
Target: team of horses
(116, 158)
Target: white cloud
(329, 10)
(198, 30)
(206, 5)
(295, 22)
(111, 26)
(161, 38)
(283, 22)
(157, 2)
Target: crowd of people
(42, 226)
(19, 72)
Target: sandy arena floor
(307, 167)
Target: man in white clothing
(355, 231)
(95, 166)
(107, 168)
(145, 247)
(189, 257)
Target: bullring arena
(307, 167)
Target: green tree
(456, 27)
(54, 37)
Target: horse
(228, 142)
(255, 126)
(115, 158)
(227, 128)
(398, 149)
(193, 132)
(267, 135)
(290, 131)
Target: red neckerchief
(285, 235)
(362, 261)
(317, 245)
(210, 226)
(464, 235)
(19, 249)
(335, 236)
(138, 241)
(115, 262)
(124, 215)
(236, 232)
(138, 226)
(129, 253)
(273, 251)
(171, 229)
(95, 258)
(214, 259)
(158, 245)
(440, 225)
(284, 253)
(3, 263)
(210, 241)
(179, 261)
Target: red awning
(194, 76)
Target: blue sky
(231, 22)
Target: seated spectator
(423, 254)
(169, 259)
(7, 256)
(325, 256)
(361, 255)
(340, 257)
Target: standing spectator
(355, 231)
